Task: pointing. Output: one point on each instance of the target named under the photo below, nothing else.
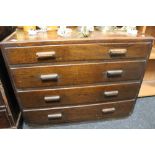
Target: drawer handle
(44, 55)
(53, 77)
(114, 73)
(111, 93)
(117, 52)
(108, 110)
(52, 98)
(55, 116)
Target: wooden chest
(72, 79)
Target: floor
(143, 117)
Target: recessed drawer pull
(111, 93)
(52, 98)
(44, 55)
(48, 77)
(114, 73)
(55, 116)
(117, 52)
(108, 110)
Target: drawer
(79, 113)
(78, 95)
(76, 74)
(4, 120)
(76, 52)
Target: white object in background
(64, 31)
(90, 28)
(32, 32)
(132, 32)
(108, 28)
(43, 28)
(84, 31)
(105, 28)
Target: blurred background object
(28, 28)
(10, 116)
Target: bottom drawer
(79, 113)
(4, 120)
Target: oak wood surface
(76, 52)
(150, 71)
(148, 85)
(152, 55)
(78, 95)
(79, 67)
(79, 113)
(147, 89)
(20, 38)
(76, 74)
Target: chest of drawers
(58, 80)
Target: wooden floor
(152, 56)
(147, 89)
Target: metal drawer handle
(117, 52)
(114, 73)
(52, 98)
(44, 55)
(111, 93)
(48, 77)
(108, 110)
(54, 116)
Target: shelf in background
(147, 89)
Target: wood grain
(76, 74)
(77, 95)
(19, 39)
(81, 78)
(77, 52)
(80, 113)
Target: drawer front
(75, 74)
(78, 95)
(76, 52)
(79, 113)
(4, 120)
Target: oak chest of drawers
(58, 80)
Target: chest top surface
(19, 38)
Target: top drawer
(75, 52)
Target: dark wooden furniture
(4, 119)
(59, 80)
(10, 115)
